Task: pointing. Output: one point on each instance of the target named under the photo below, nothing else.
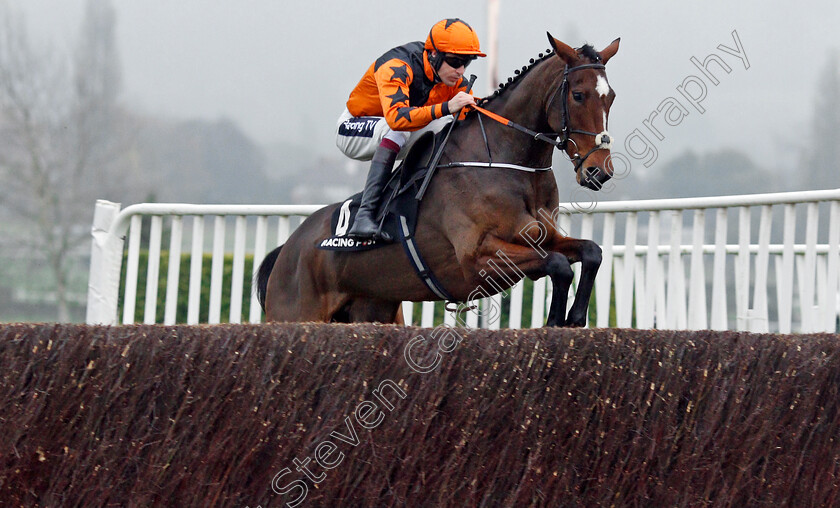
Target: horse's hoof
(576, 321)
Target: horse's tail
(261, 279)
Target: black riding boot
(365, 225)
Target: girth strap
(417, 262)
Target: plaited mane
(587, 51)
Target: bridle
(560, 140)
(566, 131)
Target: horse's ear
(564, 51)
(609, 51)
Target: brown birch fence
(373, 416)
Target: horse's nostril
(589, 179)
(591, 173)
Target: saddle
(397, 214)
(399, 204)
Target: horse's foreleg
(559, 270)
(589, 255)
(533, 264)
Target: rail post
(105, 264)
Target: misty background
(211, 101)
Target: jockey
(403, 91)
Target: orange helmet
(453, 36)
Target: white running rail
(689, 263)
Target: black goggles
(456, 61)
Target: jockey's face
(448, 74)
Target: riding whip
(436, 158)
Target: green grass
(184, 285)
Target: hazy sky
(282, 69)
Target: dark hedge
(215, 415)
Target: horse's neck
(526, 105)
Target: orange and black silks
(402, 87)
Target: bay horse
(471, 215)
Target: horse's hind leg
(362, 309)
(301, 289)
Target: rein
(565, 134)
(602, 140)
(560, 145)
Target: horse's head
(579, 108)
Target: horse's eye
(577, 96)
